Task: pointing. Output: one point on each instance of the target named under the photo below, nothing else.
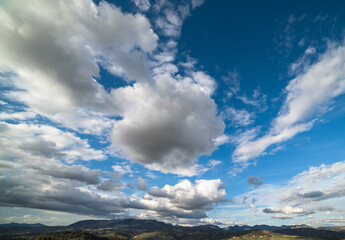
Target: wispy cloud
(308, 96)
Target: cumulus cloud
(175, 124)
(185, 200)
(165, 122)
(307, 96)
(64, 63)
(51, 53)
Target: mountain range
(151, 229)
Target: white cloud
(85, 121)
(233, 82)
(38, 177)
(206, 82)
(257, 100)
(296, 210)
(176, 123)
(166, 123)
(143, 5)
(46, 141)
(318, 188)
(197, 3)
(212, 163)
(55, 72)
(252, 149)
(125, 169)
(238, 117)
(17, 115)
(307, 96)
(170, 18)
(185, 200)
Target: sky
(188, 112)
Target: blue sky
(189, 112)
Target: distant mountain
(33, 225)
(209, 227)
(125, 223)
(295, 226)
(312, 233)
(261, 235)
(151, 229)
(237, 228)
(265, 227)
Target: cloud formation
(166, 121)
(50, 63)
(175, 124)
(238, 117)
(184, 200)
(64, 63)
(308, 95)
(319, 188)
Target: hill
(33, 225)
(126, 229)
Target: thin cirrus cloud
(307, 96)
